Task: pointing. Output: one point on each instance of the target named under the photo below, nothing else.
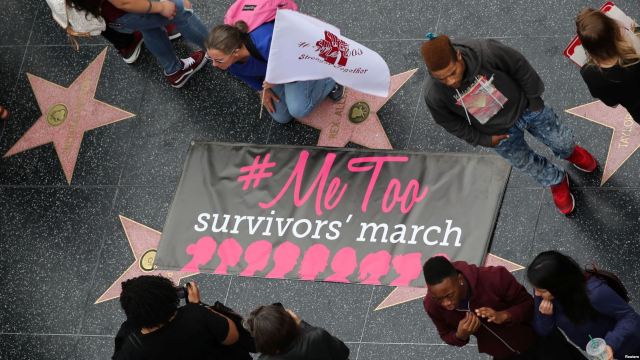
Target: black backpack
(612, 280)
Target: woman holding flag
(245, 54)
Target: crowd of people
(460, 72)
(569, 306)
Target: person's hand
(546, 307)
(269, 98)
(267, 85)
(609, 353)
(187, 4)
(193, 293)
(495, 139)
(497, 317)
(467, 326)
(168, 9)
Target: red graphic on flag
(331, 48)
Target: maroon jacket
(494, 287)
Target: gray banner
(361, 216)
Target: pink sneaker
(190, 66)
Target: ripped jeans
(544, 126)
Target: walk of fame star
(144, 243)
(625, 139)
(354, 118)
(402, 295)
(67, 113)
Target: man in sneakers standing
(488, 94)
(150, 18)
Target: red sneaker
(190, 66)
(562, 196)
(130, 53)
(4, 113)
(581, 159)
(172, 31)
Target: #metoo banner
(341, 215)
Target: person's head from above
(92, 7)
(445, 284)
(443, 61)
(225, 45)
(603, 40)
(556, 276)
(273, 327)
(149, 300)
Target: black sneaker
(337, 93)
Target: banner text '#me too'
(328, 194)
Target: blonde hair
(227, 38)
(602, 38)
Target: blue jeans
(298, 99)
(544, 126)
(155, 37)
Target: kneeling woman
(582, 305)
(245, 55)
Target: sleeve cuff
(536, 103)
(485, 140)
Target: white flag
(305, 48)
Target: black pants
(552, 347)
(118, 39)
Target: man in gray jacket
(488, 94)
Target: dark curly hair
(92, 7)
(149, 301)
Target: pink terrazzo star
(66, 114)
(402, 295)
(143, 242)
(354, 118)
(625, 139)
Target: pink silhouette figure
(314, 262)
(285, 258)
(229, 254)
(344, 263)
(408, 267)
(202, 252)
(257, 257)
(374, 266)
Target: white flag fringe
(305, 48)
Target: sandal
(4, 113)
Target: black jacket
(313, 344)
(512, 75)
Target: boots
(582, 160)
(562, 196)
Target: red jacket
(494, 287)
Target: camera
(183, 292)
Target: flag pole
(261, 104)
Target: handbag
(77, 23)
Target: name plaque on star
(341, 215)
